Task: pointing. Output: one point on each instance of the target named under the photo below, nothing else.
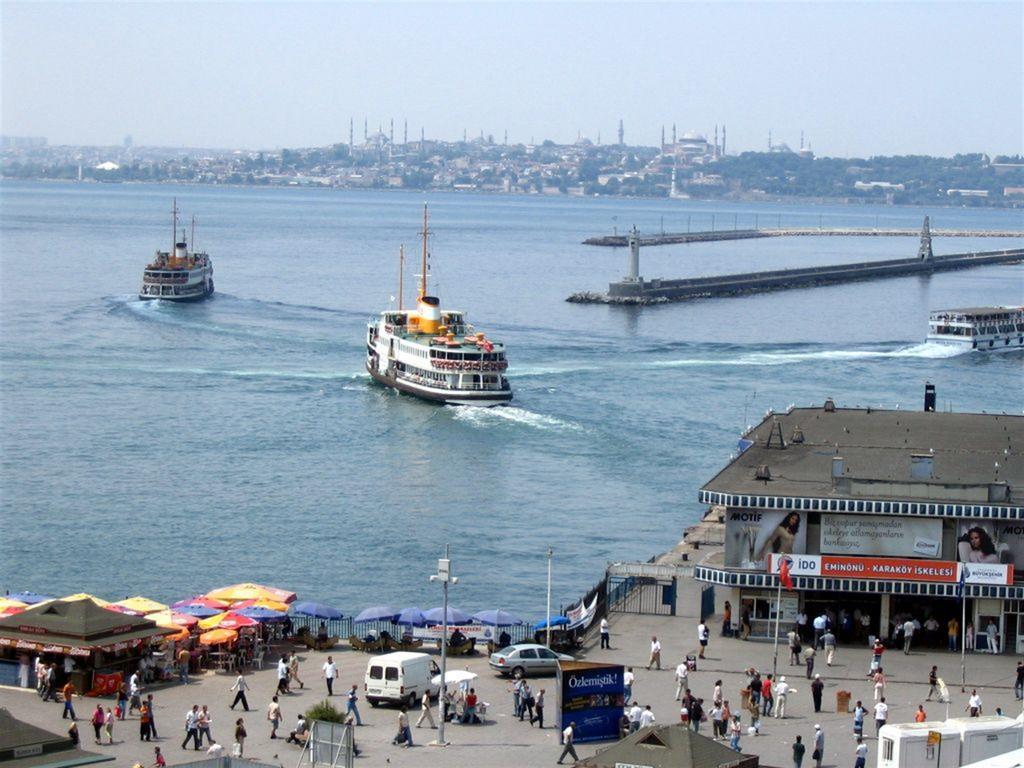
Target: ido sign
(592, 696)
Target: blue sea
(163, 450)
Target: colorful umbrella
(171, 618)
(10, 607)
(121, 609)
(412, 617)
(30, 598)
(238, 592)
(316, 610)
(497, 618)
(260, 613)
(141, 604)
(227, 620)
(218, 636)
(377, 613)
(202, 600)
(181, 634)
(556, 621)
(455, 616)
(273, 605)
(85, 596)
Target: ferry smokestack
(929, 397)
(430, 314)
(180, 251)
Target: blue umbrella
(198, 610)
(556, 621)
(412, 616)
(316, 610)
(497, 618)
(260, 613)
(377, 613)
(31, 598)
(455, 616)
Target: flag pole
(963, 630)
(778, 612)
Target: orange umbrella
(218, 636)
(248, 591)
(172, 619)
(227, 620)
(181, 634)
(273, 605)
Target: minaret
(422, 139)
(351, 133)
(464, 134)
(715, 154)
(599, 138)
(622, 135)
(663, 138)
(673, 133)
(405, 133)
(723, 139)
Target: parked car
(524, 659)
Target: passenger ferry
(433, 353)
(981, 328)
(178, 274)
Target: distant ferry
(435, 354)
(982, 328)
(178, 274)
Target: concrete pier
(657, 291)
(676, 238)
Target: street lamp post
(444, 575)
(547, 626)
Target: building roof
(669, 746)
(967, 449)
(23, 745)
(77, 623)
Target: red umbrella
(206, 602)
(227, 620)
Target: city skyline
(897, 79)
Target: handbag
(816, 754)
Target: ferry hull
(484, 399)
(999, 344)
(188, 299)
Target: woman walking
(240, 736)
(108, 725)
(98, 718)
(293, 670)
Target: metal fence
(345, 628)
(330, 744)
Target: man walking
(819, 746)
(793, 637)
(282, 675)
(820, 624)
(798, 750)
(655, 659)
(350, 705)
(829, 639)
(881, 714)
(861, 753)
(817, 688)
(682, 679)
(538, 709)
(425, 713)
(627, 684)
(241, 686)
(953, 633)
(1018, 686)
(908, 634)
(703, 634)
(68, 692)
(567, 737)
(152, 715)
(858, 719)
(933, 680)
(330, 671)
(781, 690)
(605, 633)
(192, 727)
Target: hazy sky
(858, 79)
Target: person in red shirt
(160, 762)
(469, 715)
(920, 716)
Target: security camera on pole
(444, 571)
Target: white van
(400, 678)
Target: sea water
(159, 449)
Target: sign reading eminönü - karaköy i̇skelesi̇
(591, 695)
(894, 569)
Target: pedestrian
(144, 723)
(108, 725)
(974, 704)
(879, 680)
(920, 716)
(655, 659)
(241, 686)
(735, 731)
(969, 636)
(809, 654)
(282, 675)
(684, 713)
(992, 636)
(425, 713)
(819, 746)
(716, 694)
(240, 734)
(184, 659)
(538, 710)
(97, 721)
(404, 735)
(627, 684)
(517, 697)
(1018, 685)
(293, 671)
(50, 684)
(205, 721)
(876, 656)
(623, 725)
(793, 638)
(274, 716)
(647, 717)
(727, 620)
(820, 624)
(152, 715)
(953, 632)
(73, 734)
(756, 686)
(135, 692)
(697, 715)
(634, 717)
(858, 719)
(682, 679)
(703, 635)
(330, 671)
(829, 640)
(567, 738)
(350, 704)
(933, 681)
(781, 690)
(192, 727)
(817, 688)
(527, 702)
(767, 696)
(861, 753)
(908, 635)
(122, 701)
(158, 758)
(745, 623)
(68, 692)
(717, 724)
(798, 750)
(881, 714)
(605, 633)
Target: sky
(858, 79)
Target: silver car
(525, 659)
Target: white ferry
(178, 274)
(982, 328)
(434, 353)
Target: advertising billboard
(991, 541)
(592, 696)
(894, 569)
(753, 534)
(884, 536)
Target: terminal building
(882, 513)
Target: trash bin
(691, 662)
(843, 701)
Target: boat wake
(511, 414)
(926, 351)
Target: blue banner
(593, 697)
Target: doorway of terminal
(846, 611)
(932, 613)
